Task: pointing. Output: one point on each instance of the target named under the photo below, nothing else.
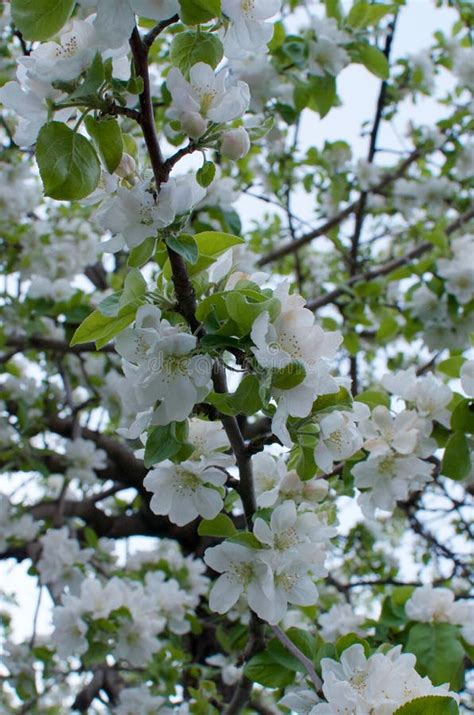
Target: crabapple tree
(236, 374)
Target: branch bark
(388, 267)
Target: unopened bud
(235, 143)
(127, 166)
(193, 124)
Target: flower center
(286, 581)
(248, 7)
(187, 481)
(67, 49)
(244, 573)
(286, 540)
(207, 96)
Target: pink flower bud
(235, 143)
(193, 124)
(127, 166)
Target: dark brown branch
(149, 39)
(97, 275)
(147, 119)
(331, 223)
(37, 342)
(388, 267)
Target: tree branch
(334, 221)
(388, 267)
(294, 650)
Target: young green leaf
(205, 175)
(439, 653)
(373, 59)
(429, 705)
(185, 246)
(288, 377)
(193, 12)
(102, 328)
(107, 136)
(161, 444)
(191, 47)
(40, 19)
(220, 526)
(457, 457)
(142, 253)
(67, 162)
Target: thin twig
(294, 650)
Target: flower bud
(127, 166)
(235, 143)
(193, 124)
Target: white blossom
(60, 558)
(268, 473)
(206, 95)
(186, 490)
(339, 436)
(387, 479)
(295, 338)
(159, 366)
(338, 621)
(248, 30)
(380, 683)
(84, 459)
(242, 571)
(138, 213)
(139, 700)
(467, 378)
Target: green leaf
(451, 366)
(185, 245)
(373, 398)
(306, 467)
(296, 49)
(288, 377)
(191, 47)
(246, 538)
(244, 401)
(256, 133)
(373, 59)
(334, 9)
(349, 639)
(429, 705)
(141, 254)
(94, 78)
(211, 245)
(41, 19)
(456, 462)
(134, 287)
(263, 669)
(102, 328)
(67, 162)
(243, 307)
(107, 136)
(463, 416)
(363, 14)
(323, 96)
(110, 306)
(161, 444)
(194, 12)
(221, 526)
(439, 653)
(205, 175)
